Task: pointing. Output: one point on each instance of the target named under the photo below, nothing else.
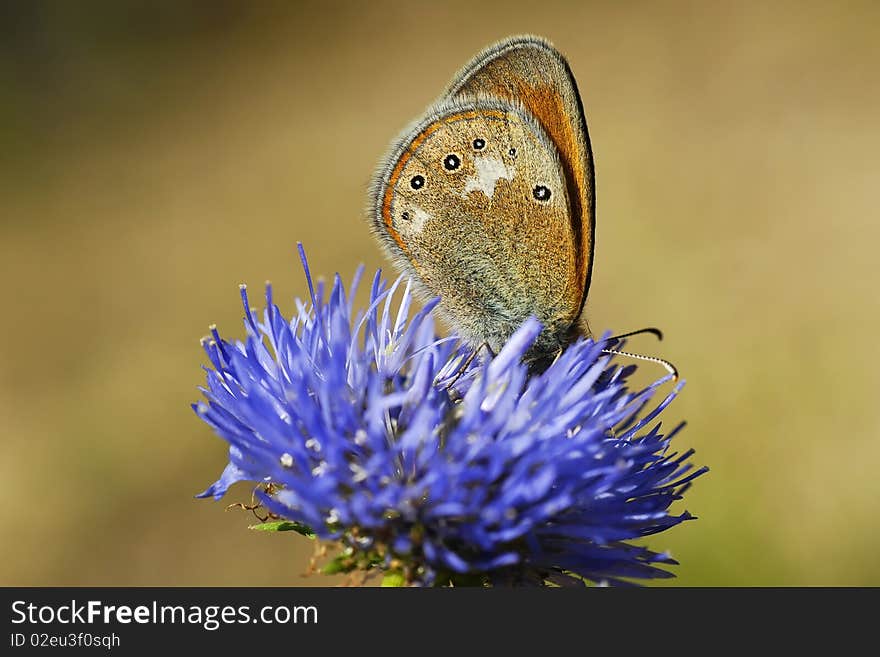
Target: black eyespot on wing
(451, 162)
(479, 144)
(541, 193)
(417, 182)
(405, 216)
(512, 152)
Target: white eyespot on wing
(489, 170)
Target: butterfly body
(487, 200)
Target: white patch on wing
(419, 219)
(489, 170)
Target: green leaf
(393, 578)
(284, 526)
(340, 564)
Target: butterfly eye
(541, 193)
(451, 162)
(479, 144)
(417, 182)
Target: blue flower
(378, 434)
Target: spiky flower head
(434, 468)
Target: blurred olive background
(156, 154)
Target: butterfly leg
(464, 366)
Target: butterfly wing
(472, 202)
(528, 70)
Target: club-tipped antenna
(657, 333)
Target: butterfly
(488, 199)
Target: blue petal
(231, 475)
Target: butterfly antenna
(657, 333)
(665, 363)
